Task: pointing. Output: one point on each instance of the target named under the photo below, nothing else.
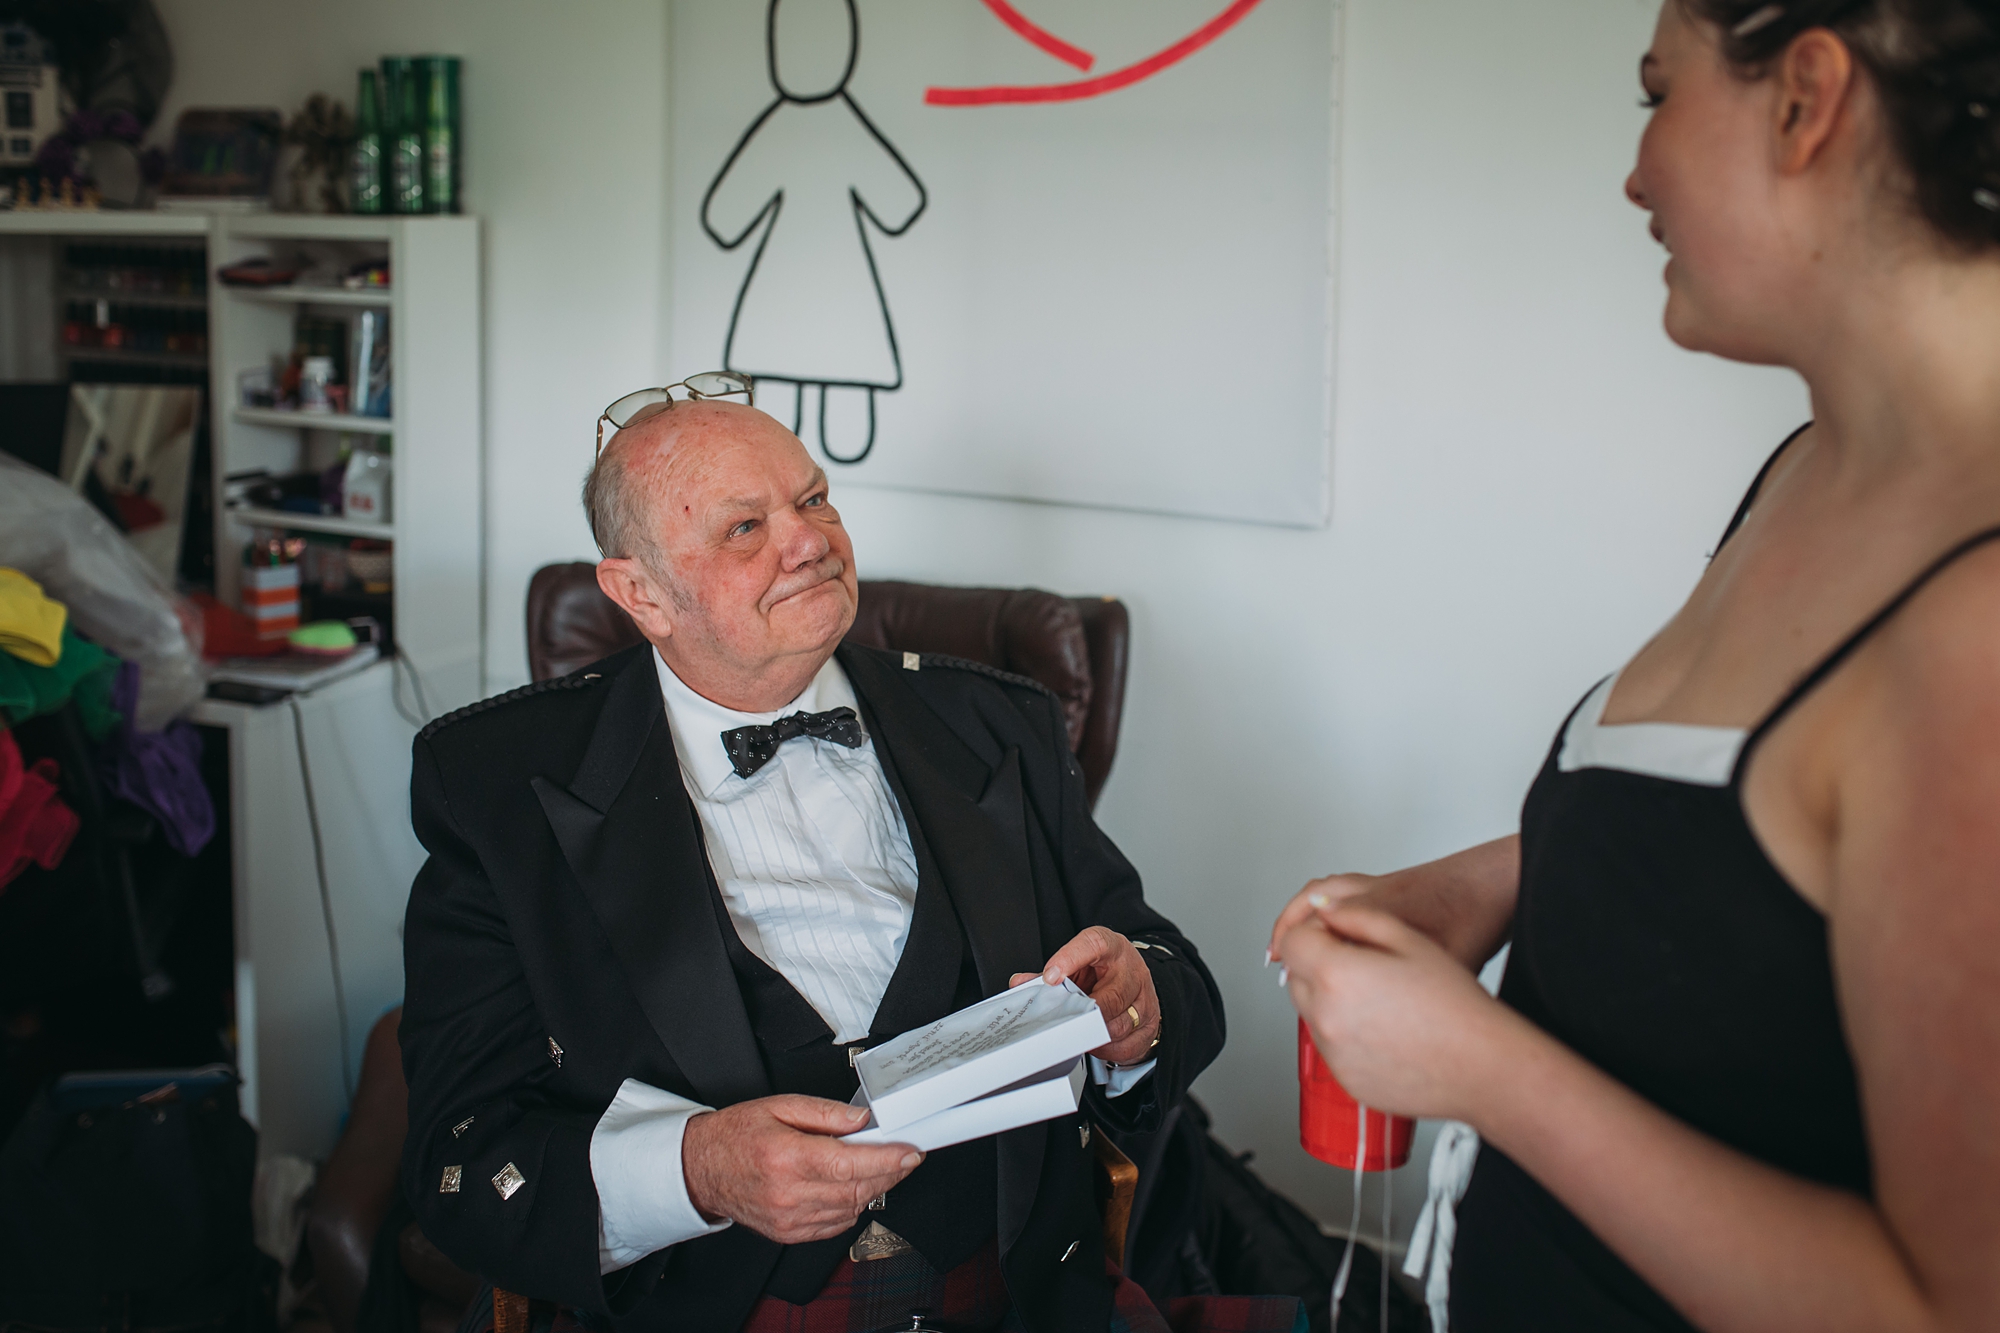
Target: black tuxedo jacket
(561, 938)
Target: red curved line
(1103, 83)
(1048, 41)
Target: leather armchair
(356, 1193)
(1077, 646)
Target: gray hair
(617, 515)
(615, 502)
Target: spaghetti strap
(1756, 488)
(1831, 662)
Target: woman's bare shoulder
(1940, 652)
(1918, 817)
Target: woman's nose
(1635, 192)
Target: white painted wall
(1527, 475)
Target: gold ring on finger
(1132, 1012)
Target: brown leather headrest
(1023, 630)
(571, 623)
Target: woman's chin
(1738, 340)
(1680, 333)
(1686, 328)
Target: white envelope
(1044, 1096)
(997, 1043)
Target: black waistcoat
(946, 1208)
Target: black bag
(1206, 1224)
(125, 1206)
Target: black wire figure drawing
(811, 311)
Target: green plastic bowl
(324, 638)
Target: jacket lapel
(980, 843)
(972, 815)
(631, 837)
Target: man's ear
(1814, 78)
(630, 584)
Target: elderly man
(669, 896)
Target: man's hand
(1106, 967)
(774, 1165)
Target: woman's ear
(1813, 78)
(630, 584)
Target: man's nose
(800, 543)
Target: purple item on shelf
(158, 771)
(331, 483)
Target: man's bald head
(645, 461)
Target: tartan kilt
(879, 1296)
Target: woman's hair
(1936, 64)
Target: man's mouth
(825, 572)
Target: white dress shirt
(816, 870)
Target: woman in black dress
(1744, 1072)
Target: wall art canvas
(1075, 251)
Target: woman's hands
(1381, 968)
(1404, 1026)
(1464, 902)
(1325, 892)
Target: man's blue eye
(816, 502)
(743, 528)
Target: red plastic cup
(1327, 1127)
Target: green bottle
(441, 146)
(406, 135)
(364, 167)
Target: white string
(1354, 1216)
(1388, 1198)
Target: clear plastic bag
(115, 598)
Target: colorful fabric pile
(159, 771)
(35, 826)
(31, 624)
(45, 665)
(35, 640)
(83, 672)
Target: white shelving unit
(339, 527)
(357, 731)
(31, 296)
(289, 1025)
(314, 296)
(105, 222)
(434, 316)
(331, 421)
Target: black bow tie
(750, 748)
